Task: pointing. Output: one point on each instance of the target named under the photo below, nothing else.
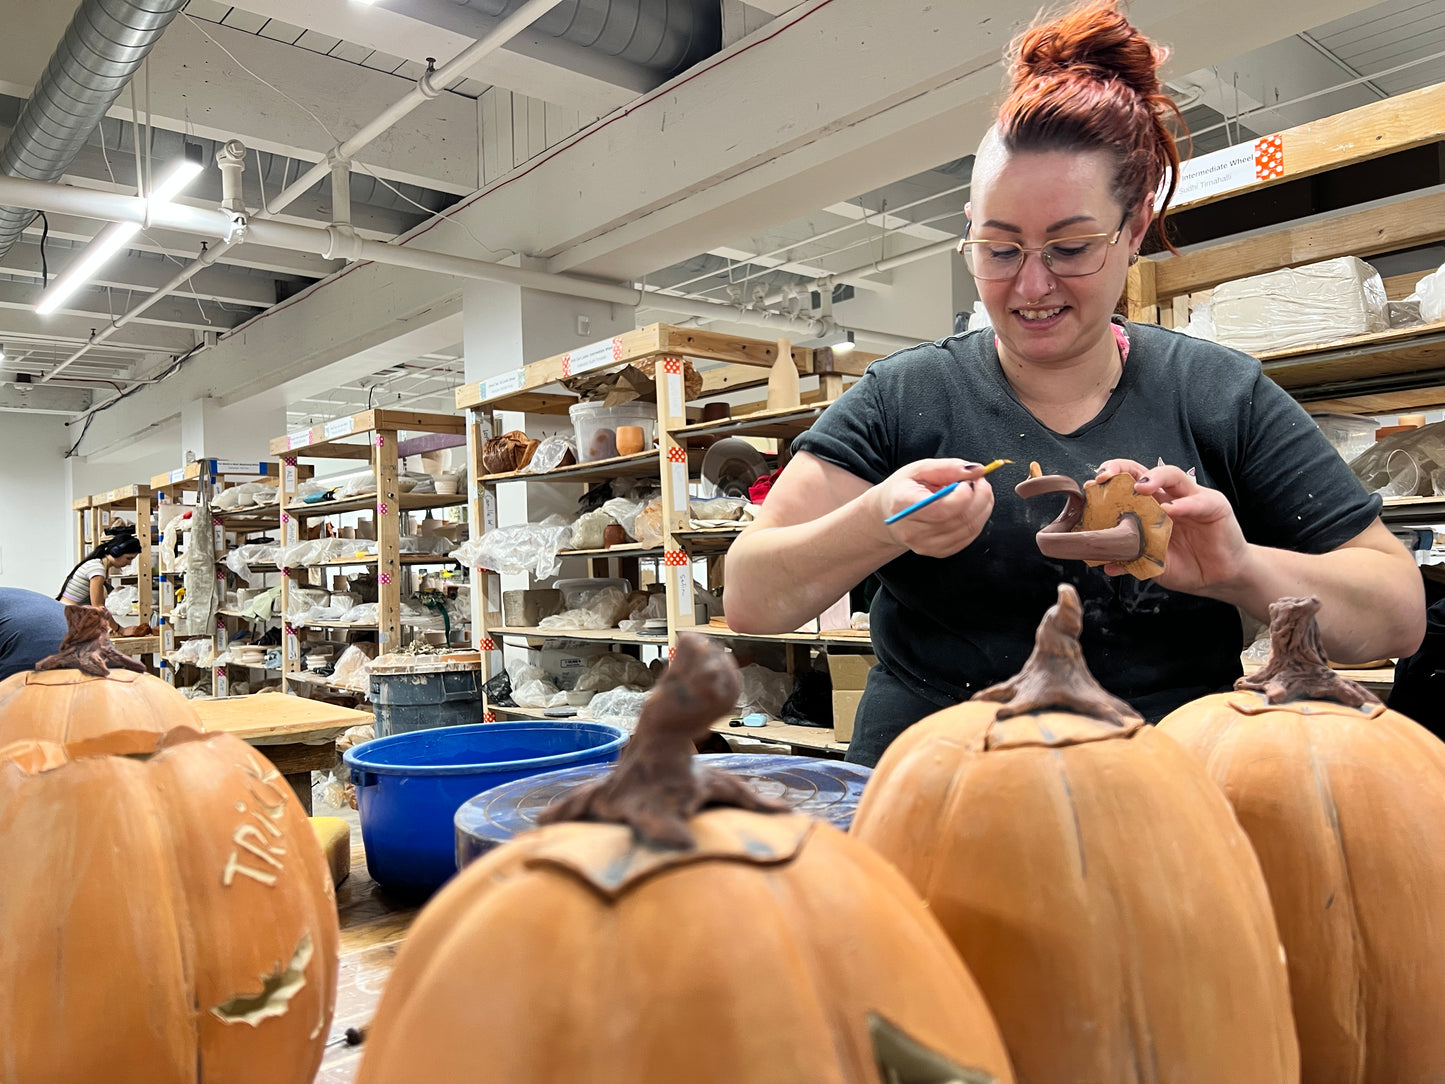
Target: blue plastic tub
(409, 787)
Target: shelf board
(361, 626)
(852, 639)
(405, 558)
(627, 549)
(246, 617)
(1324, 371)
(614, 636)
(708, 539)
(407, 502)
(301, 677)
(783, 424)
(596, 470)
(1417, 511)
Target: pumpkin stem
(655, 788)
(1056, 676)
(87, 646)
(1297, 668)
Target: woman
(1063, 193)
(85, 584)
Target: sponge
(334, 835)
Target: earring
(1133, 258)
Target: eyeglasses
(1067, 257)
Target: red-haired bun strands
(1089, 80)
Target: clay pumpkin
(166, 915)
(1344, 802)
(670, 945)
(90, 696)
(1087, 871)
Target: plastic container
(409, 787)
(576, 592)
(828, 790)
(1349, 433)
(426, 698)
(596, 426)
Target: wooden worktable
(297, 735)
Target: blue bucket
(409, 787)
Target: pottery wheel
(826, 789)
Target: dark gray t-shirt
(951, 626)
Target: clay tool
(938, 495)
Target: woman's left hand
(1207, 548)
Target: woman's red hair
(1088, 80)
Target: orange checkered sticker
(1269, 158)
(677, 454)
(674, 557)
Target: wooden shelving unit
(378, 439)
(125, 503)
(1384, 373)
(230, 528)
(725, 364)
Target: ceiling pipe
(877, 267)
(104, 44)
(431, 84)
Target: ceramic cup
(716, 412)
(629, 439)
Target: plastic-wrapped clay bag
(521, 548)
(531, 688)
(122, 604)
(648, 527)
(363, 483)
(619, 707)
(365, 614)
(1431, 291)
(602, 611)
(551, 453)
(587, 531)
(654, 607)
(612, 671)
(624, 511)
(764, 690)
(351, 667)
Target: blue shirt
(31, 628)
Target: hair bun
(1097, 41)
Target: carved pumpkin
(1344, 802)
(166, 915)
(674, 945)
(88, 696)
(1084, 867)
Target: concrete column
(242, 432)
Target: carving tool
(939, 494)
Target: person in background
(31, 628)
(85, 584)
(1063, 193)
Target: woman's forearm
(779, 577)
(1372, 601)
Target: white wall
(922, 303)
(36, 531)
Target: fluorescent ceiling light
(844, 343)
(110, 240)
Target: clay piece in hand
(1103, 522)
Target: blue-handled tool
(938, 495)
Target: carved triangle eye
(902, 1059)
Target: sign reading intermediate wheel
(1232, 168)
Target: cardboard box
(850, 677)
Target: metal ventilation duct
(658, 37)
(101, 49)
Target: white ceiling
(343, 55)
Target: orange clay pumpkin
(90, 696)
(166, 916)
(1344, 802)
(674, 945)
(1084, 867)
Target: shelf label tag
(1234, 167)
(298, 440)
(339, 427)
(586, 358)
(178, 475)
(231, 466)
(504, 384)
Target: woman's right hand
(948, 524)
